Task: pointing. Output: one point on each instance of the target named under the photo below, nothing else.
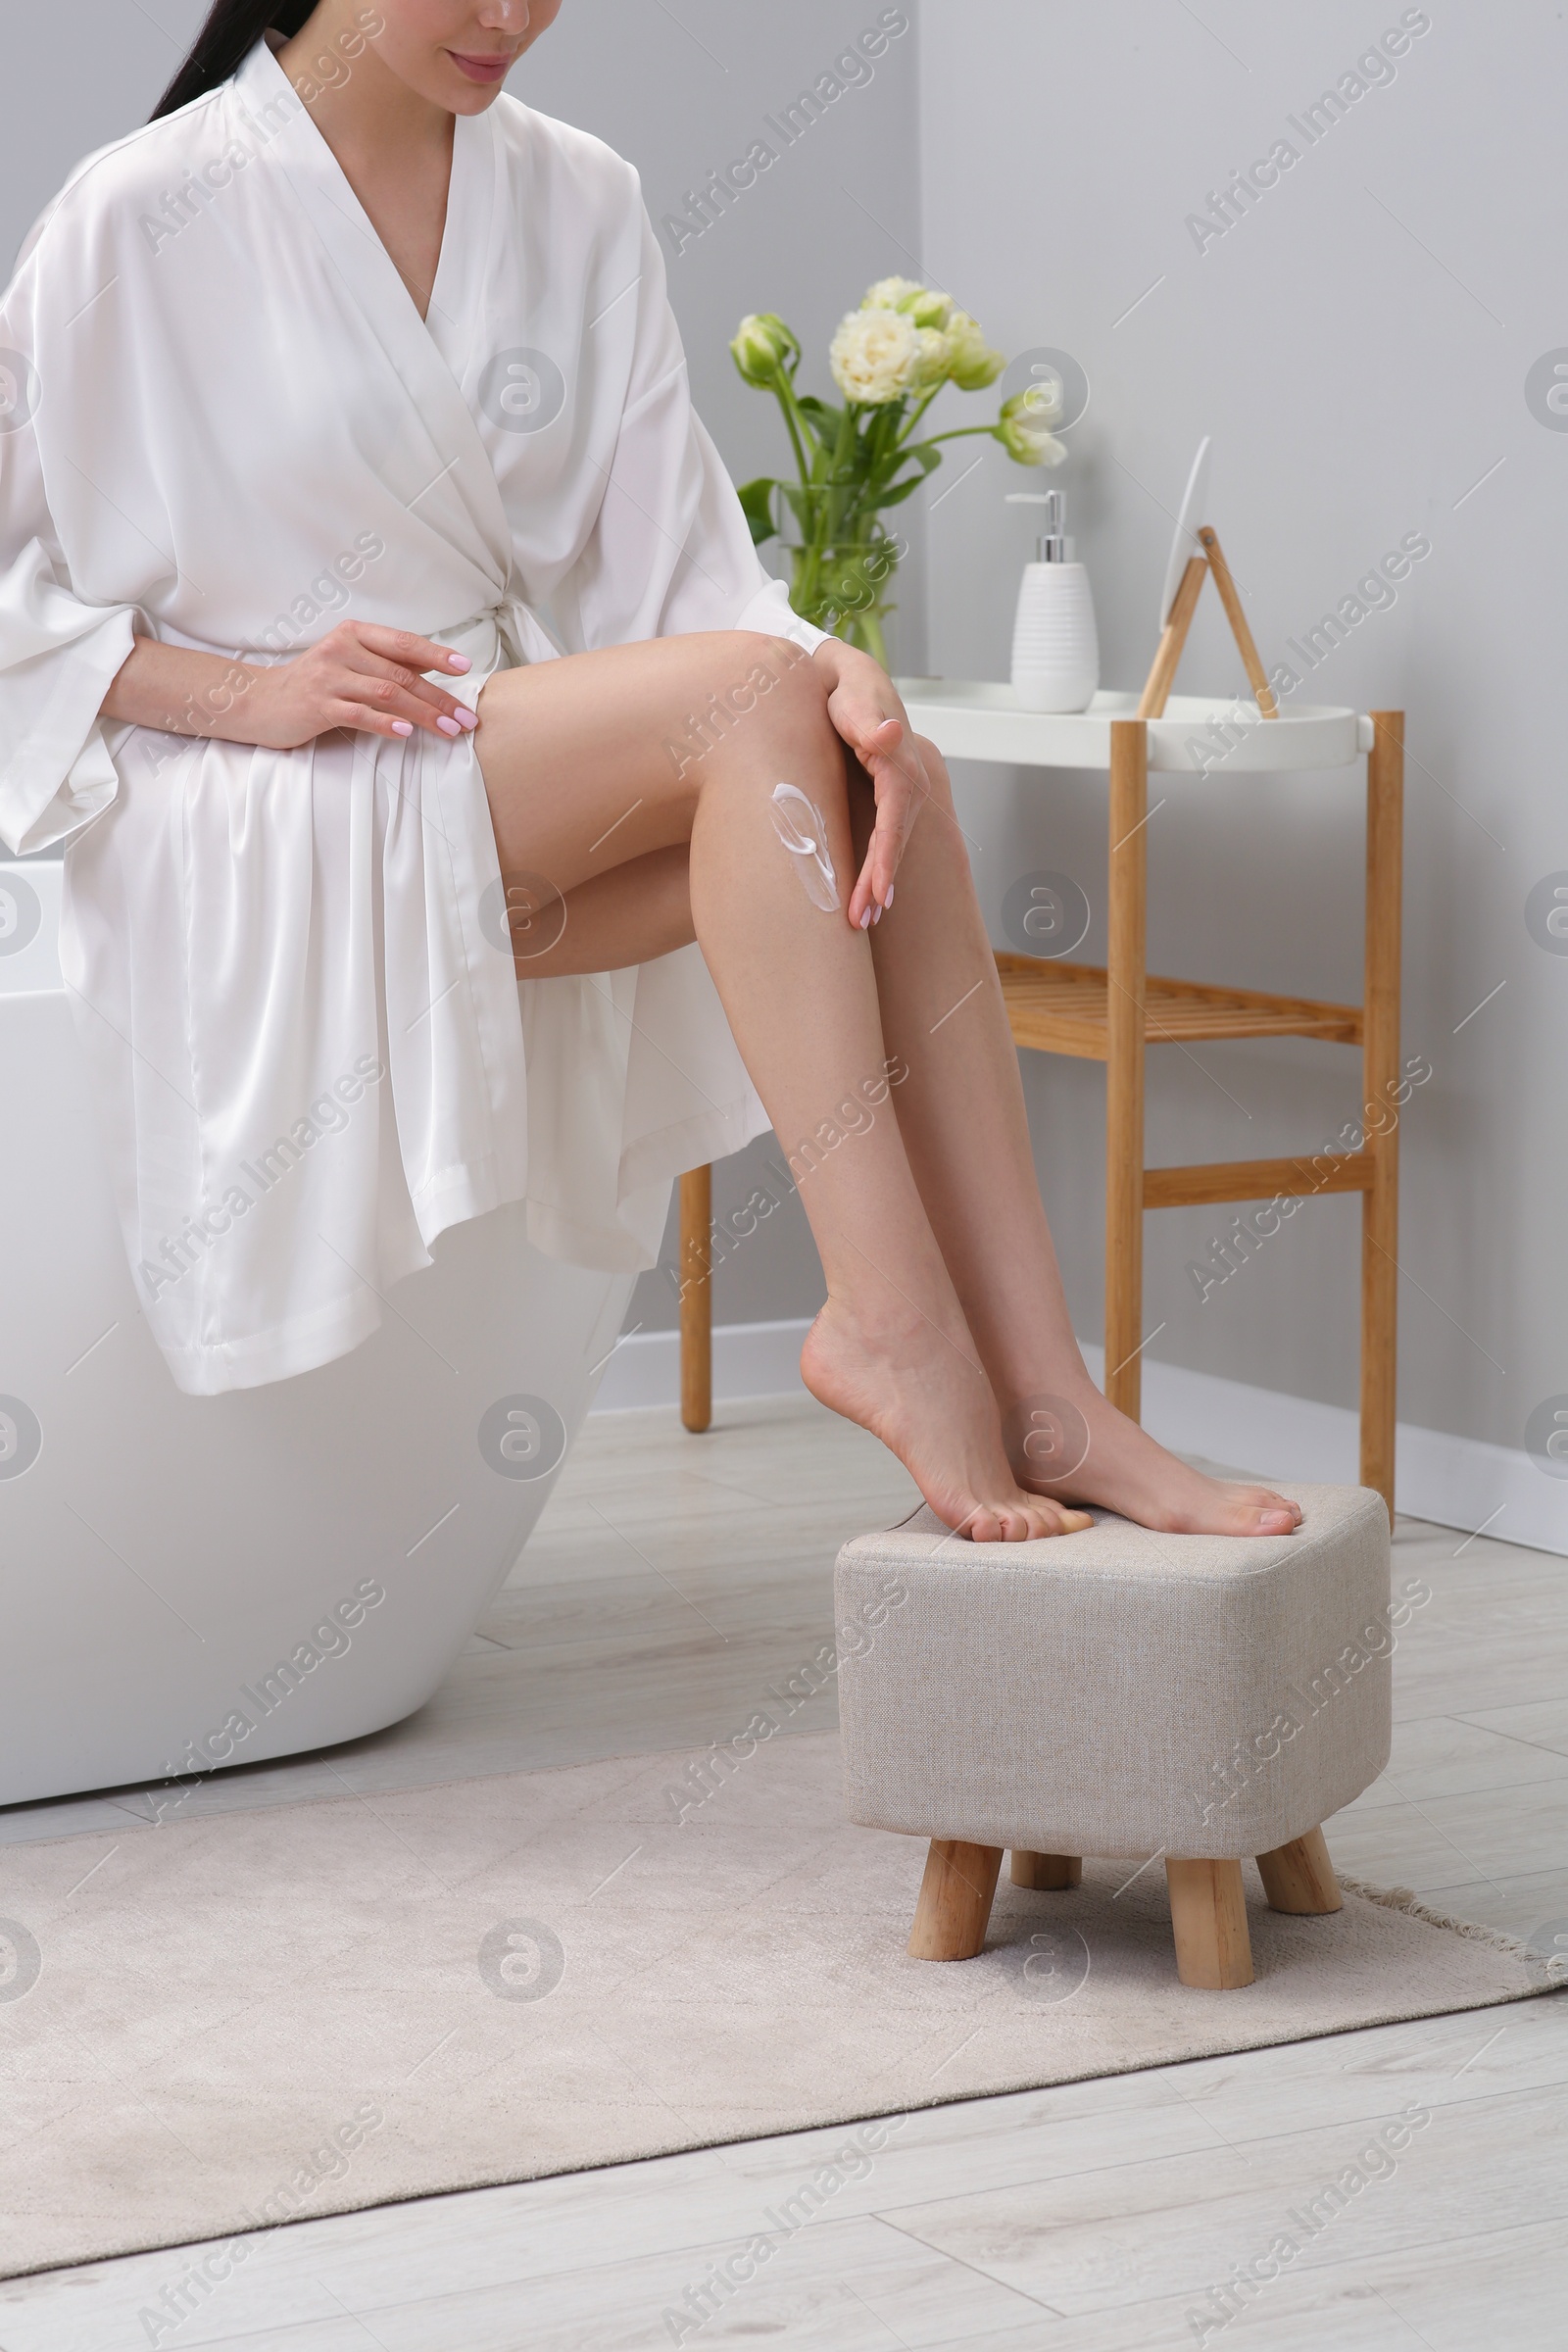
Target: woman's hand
(359, 675)
(864, 706)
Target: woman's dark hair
(223, 43)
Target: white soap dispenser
(1055, 651)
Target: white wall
(1357, 344)
(60, 100)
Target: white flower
(874, 356)
(1024, 429)
(889, 293)
(934, 361)
(927, 308)
(1045, 399)
(920, 303)
(975, 363)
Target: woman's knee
(938, 784)
(780, 681)
(766, 691)
(794, 715)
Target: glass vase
(841, 583)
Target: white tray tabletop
(975, 719)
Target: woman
(378, 627)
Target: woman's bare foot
(923, 1393)
(1076, 1446)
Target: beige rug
(277, 2014)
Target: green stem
(784, 391)
(870, 628)
(819, 530)
(961, 433)
(916, 415)
(841, 475)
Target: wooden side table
(1115, 1013)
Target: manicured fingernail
(449, 726)
(866, 919)
(877, 918)
(466, 717)
(459, 661)
(888, 901)
(402, 726)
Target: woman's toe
(1055, 1519)
(1023, 1523)
(1271, 1513)
(1026, 1523)
(1268, 1501)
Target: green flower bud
(763, 345)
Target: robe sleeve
(58, 653)
(671, 550)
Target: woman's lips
(481, 69)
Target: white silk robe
(223, 424)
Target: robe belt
(503, 637)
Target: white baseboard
(749, 1359)
(1453, 1482)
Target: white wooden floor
(672, 1579)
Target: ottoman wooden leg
(1209, 1916)
(955, 1905)
(1300, 1877)
(1048, 1874)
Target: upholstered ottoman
(1117, 1693)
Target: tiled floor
(672, 1578)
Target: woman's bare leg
(962, 1111)
(959, 1106)
(577, 761)
(629, 915)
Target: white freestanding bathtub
(187, 1582)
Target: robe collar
(427, 356)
